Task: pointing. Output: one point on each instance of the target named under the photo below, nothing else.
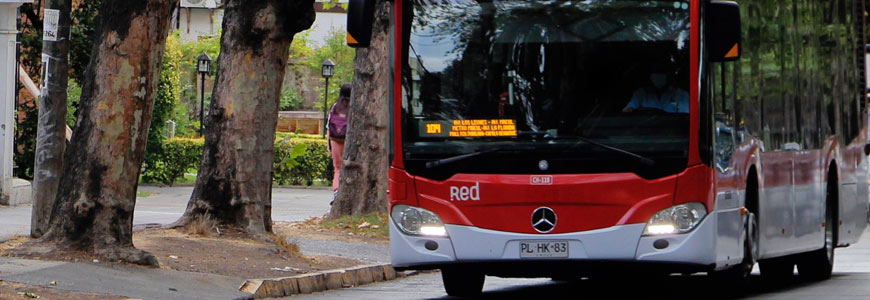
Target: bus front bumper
(497, 251)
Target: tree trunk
(365, 163)
(94, 206)
(51, 128)
(233, 185)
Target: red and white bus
(566, 138)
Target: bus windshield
(544, 76)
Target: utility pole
(51, 131)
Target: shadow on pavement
(670, 287)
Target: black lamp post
(326, 70)
(203, 67)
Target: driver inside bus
(660, 96)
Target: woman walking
(337, 125)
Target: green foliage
(178, 156)
(301, 161)
(378, 220)
(184, 85)
(332, 3)
(300, 48)
(289, 135)
(84, 17)
(168, 91)
(184, 126)
(290, 99)
(336, 49)
(191, 51)
(186, 113)
(168, 88)
(298, 161)
(284, 162)
(25, 142)
(73, 96)
(144, 194)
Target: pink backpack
(337, 124)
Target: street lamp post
(204, 67)
(326, 70)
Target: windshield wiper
(642, 160)
(582, 140)
(449, 160)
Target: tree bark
(365, 163)
(95, 200)
(233, 185)
(51, 128)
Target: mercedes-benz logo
(543, 165)
(544, 219)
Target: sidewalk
(129, 281)
(14, 221)
(146, 283)
(367, 253)
(165, 206)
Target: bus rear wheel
(462, 282)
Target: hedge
(301, 161)
(178, 156)
(290, 135)
(298, 161)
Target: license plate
(544, 249)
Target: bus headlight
(417, 221)
(676, 219)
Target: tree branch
(32, 16)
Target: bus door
(727, 165)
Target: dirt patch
(226, 253)
(350, 232)
(21, 246)
(14, 290)
(230, 255)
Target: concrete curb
(320, 281)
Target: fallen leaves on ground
(231, 254)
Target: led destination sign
(469, 128)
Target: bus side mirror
(723, 31)
(360, 19)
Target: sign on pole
(49, 27)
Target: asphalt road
(850, 281)
(167, 204)
(852, 268)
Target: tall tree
(365, 162)
(234, 183)
(51, 129)
(94, 206)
